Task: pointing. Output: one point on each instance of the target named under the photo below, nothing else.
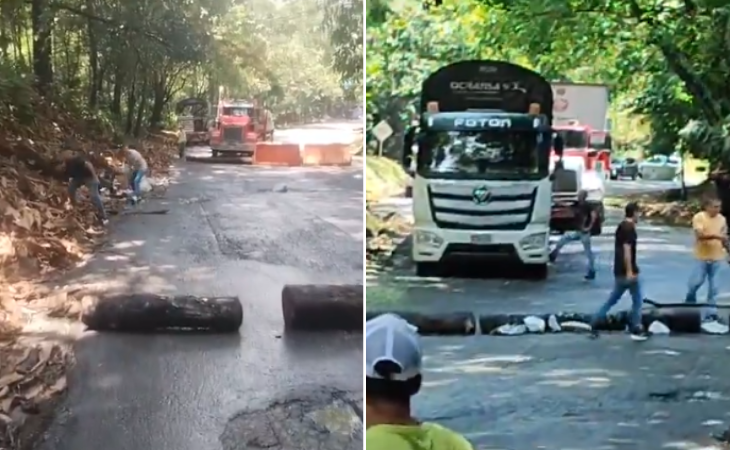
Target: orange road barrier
(277, 154)
(327, 155)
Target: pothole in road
(323, 421)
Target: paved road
(665, 260)
(231, 230)
(565, 391)
(568, 392)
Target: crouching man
(80, 172)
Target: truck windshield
(574, 138)
(494, 155)
(237, 111)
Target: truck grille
(509, 211)
(233, 134)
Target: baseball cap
(390, 338)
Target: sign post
(382, 131)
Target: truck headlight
(534, 241)
(428, 239)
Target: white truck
(580, 103)
(482, 186)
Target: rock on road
(231, 230)
(564, 391)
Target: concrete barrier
(322, 307)
(146, 313)
(445, 324)
(326, 155)
(277, 154)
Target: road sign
(382, 131)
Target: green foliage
(665, 62)
(124, 64)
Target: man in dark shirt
(586, 216)
(80, 172)
(626, 273)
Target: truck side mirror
(558, 145)
(408, 141)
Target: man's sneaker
(594, 334)
(639, 334)
(712, 325)
(591, 275)
(105, 222)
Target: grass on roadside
(384, 177)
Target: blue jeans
(135, 181)
(704, 270)
(620, 286)
(585, 239)
(93, 186)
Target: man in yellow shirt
(710, 228)
(392, 376)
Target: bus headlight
(536, 241)
(428, 239)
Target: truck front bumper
(234, 147)
(528, 246)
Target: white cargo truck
(584, 104)
(482, 187)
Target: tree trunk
(151, 312)
(141, 104)
(41, 21)
(158, 105)
(323, 307)
(93, 56)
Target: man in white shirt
(139, 168)
(182, 141)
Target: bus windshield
(488, 154)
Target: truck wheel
(633, 177)
(216, 153)
(537, 272)
(427, 269)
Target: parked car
(660, 167)
(624, 168)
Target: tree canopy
(665, 62)
(126, 63)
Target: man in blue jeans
(710, 229)
(586, 216)
(139, 167)
(80, 172)
(626, 273)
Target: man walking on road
(182, 141)
(139, 167)
(710, 228)
(586, 217)
(80, 172)
(393, 375)
(626, 273)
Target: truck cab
(238, 126)
(482, 187)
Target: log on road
(323, 307)
(151, 312)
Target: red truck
(238, 126)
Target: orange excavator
(238, 126)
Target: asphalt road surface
(231, 230)
(564, 391)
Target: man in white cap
(392, 376)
